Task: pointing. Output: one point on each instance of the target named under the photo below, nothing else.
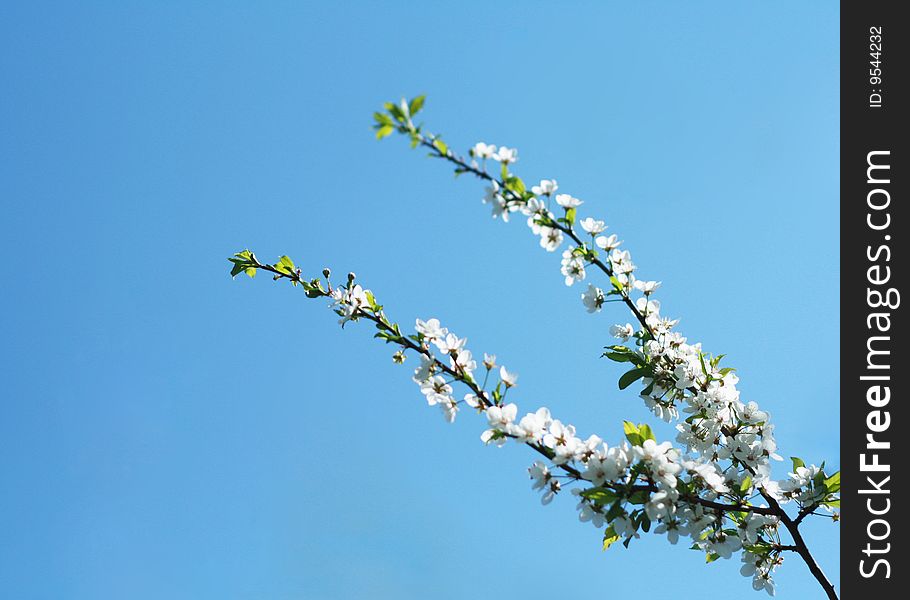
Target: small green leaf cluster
(398, 116)
(244, 262)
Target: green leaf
(622, 354)
(285, 266)
(515, 184)
(645, 522)
(746, 485)
(416, 104)
(639, 497)
(382, 118)
(630, 377)
(797, 463)
(615, 510)
(819, 480)
(384, 131)
(570, 216)
(599, 495)
(833, 483)
(646, 433)
(372, 300)
(395, 111)
(701, 359)
(617, 285)
(610, 537)
(632, 433)
(710, 558)
(441, 146)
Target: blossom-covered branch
(715, 487)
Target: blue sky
(169, 432)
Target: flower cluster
(624, 489)
(630, 486)
(675, 375)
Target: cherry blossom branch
(705, 492)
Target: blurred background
(168, 432)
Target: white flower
(533, 426)
(463, 361)
(550, 238)
(561, 438)
(450, 343)
(708, 473)
(647, 307)
(566, 201)
(752, 526)
(501, 208)
(621, 261)
(622, 332)
(759, 569)
(449, 409)
(601, 469)
(510, 379)
(426, 368)
(751, 414)
(624, 527)
(350, 301)
(506, 155)
(436, 390)
(540, 474)
(607, 242)
(545, 188)
(589, 513)
(489, 361)
(763, 582)
(491, 193)
(593, 298)
(664, 472)
(591, 226)
(723, 545)
(481, 150)
(500, 419)
(431, 329)
(573, 267)
(591, 447)
(647, 287)
(651, 451)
